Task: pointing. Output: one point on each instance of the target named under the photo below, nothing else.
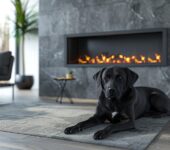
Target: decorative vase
(24, 82)
(69, 75)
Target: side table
(62, 82)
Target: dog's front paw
(72, 130)
(99, 135)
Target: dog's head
(115, 81)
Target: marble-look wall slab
(60, 17)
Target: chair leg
(13, 93)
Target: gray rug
(50, 120)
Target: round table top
(63, 78)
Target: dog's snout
(111, 91)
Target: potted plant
(25, 22)
(69, 75)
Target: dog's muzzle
(111, 93)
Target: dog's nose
(111, 92)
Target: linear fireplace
(123, 48)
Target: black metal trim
(148, 30)
(122, 32)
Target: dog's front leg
(122, 126)
(95, 120)
(113, 128)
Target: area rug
(50, 120)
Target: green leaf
(26, 18)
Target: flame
(119, 59)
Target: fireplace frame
(164, 54)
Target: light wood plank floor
(12, 141)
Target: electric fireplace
(122, 48)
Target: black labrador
(121, 103)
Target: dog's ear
(131, 77)
(98, 77)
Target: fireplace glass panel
(136, 48)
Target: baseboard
(75, 100)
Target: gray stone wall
(59, 17)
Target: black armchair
(6, 64)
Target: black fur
(119, 95)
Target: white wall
(32, 51)
(31, 41)
(6, 11)
(32, 58)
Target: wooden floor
(12, 141)
(162, 142)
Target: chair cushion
(3, 71)
(5, 58)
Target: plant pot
(24, 82)
(69, 76)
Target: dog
(121, 103)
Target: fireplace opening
(119, 59)
(126, 48)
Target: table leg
(62, 90)
(58, 96)
(62, 86)
(69, 97)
